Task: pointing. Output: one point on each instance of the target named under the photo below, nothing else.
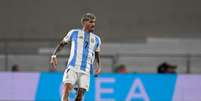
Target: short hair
(87, 17)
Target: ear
(83, 23)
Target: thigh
(70, 76)
(83, 81)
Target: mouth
(92, 27)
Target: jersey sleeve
(68, 37)
(98, 44)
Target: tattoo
(97, 57)
(59, 47)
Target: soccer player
(85, 48)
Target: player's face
(89, 25)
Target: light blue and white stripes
(83, 47)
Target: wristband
(53, 56)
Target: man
(85, 48)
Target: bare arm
(59, 47)
(53, 60)
(97, 58)
(97, 62)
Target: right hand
(53, 62)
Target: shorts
(77, 79)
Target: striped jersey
(83, 48)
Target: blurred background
(138, 35)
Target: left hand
(97, 71)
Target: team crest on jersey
(92, 40)
(81, 37)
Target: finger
(53, 65)
(51, 60)
(55, 60)
(97, 73)
(98, 70)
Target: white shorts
(77, 79)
